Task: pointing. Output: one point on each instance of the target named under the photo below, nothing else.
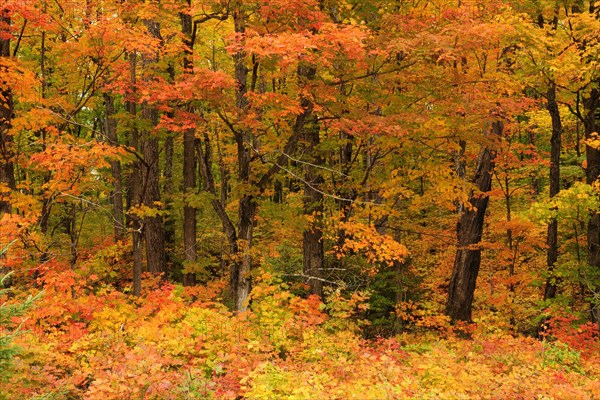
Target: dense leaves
(299, 199)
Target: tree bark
(7, 171)
(469, 233)
(189, 157)
(312, 237)
(591, 104)
(154, 229)
(134, 194)
(555, 142)
(240, 275)
(168, 189)
(115, 165)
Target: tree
(7, 174)
(552, 238)
(469, 232)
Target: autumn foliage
(301, 199)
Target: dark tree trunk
(117, 192)
(555, 141)
(134, 194)
(241, 282)
(189, 212)
(189, 157)
(169, 190)
(591, 105)
(347, 194)
(243, 279)
(312, 237)
(7, 171)
(469, 232)
(154, 228)
(168, 184)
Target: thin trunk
(346, 194)
(535, 180)
(168, 184)
(7, 171)
(47, 203)
(189, 157)
(240, 277)
(469, 233)
(204, 160)
(135, 188)
(512, 247)
(117, 192)
(69, 222)
(460, 165)
(591, 105)
(552, 237)
(168, 189)
(189, 212)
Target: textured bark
(189, 157)
(154, 229)
(555, 141)
(469, 233)
(134, 194)
(591, 105)
(7, 172)
(189, 212)
(168, 190)
(240, 275)
(312, 237)
(115, 165)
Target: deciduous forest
(303, 199)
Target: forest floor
(87, 341)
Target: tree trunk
(117, 192)
(168, 189)
(134, 194)
(189, 157)
(204, 157)
(189, 212)
(7, 172)
(241, 282)
(469, 233)
(555, 141)
(591, 105)
(154, 229)
(312, 238)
